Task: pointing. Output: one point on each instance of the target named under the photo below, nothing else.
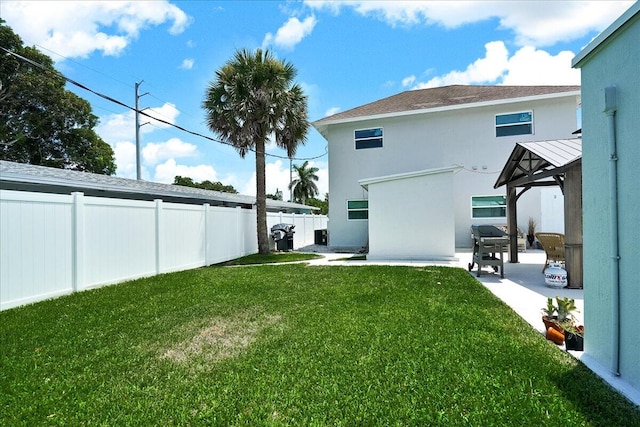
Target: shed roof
(539, 160)
(26, 177)
(370, 181)
(445, 98)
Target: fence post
(206, 234)
(77, 250)
(158, 203)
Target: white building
(463, 132)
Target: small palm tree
(304, 186)
(252, 98)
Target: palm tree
(304, 186)
(252, 98)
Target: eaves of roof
(606, 35)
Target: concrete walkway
(523, 289)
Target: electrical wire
(141, 112)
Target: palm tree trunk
(261, 203)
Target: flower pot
(573, 341)
(551, 322)
(555, 336)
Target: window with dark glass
(514, 124)
(368, 138)
(488, 207)
(357, 209)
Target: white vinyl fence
(52, 245)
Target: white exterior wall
(464, 137)
(51, 245)
(403, 226)
(615, 63)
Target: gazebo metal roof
(540, 163)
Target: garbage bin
(282, 234)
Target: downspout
(610, 111)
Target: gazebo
(547, 163)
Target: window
(368, 138)
(514, 124)
(488, 207)
(357, 209)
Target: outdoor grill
(282, 234)
(488, 241)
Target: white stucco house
(410, 174)
(610, 156)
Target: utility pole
(138, 125)
(290, 180)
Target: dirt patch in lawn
(221, 338)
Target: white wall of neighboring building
(464, 137)
(552, 210)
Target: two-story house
(430, 159)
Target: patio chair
(553, 245)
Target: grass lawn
(292, 345)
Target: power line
(122, 104)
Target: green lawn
(292, 345)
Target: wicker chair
(553, 245)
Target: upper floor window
(488, 207)
(368, 138)
(514, 124)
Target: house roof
(368, 181)
(25, 177)
(444, 98)
(539, 160)
(606, 35)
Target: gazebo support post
(512, 223)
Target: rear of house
(470, 128)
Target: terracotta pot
(551, 323)
(555, 336)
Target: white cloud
(541, 23)
(119, 127)
(79, 28)
(331, 111)
(291, 33)
(187, 64)
(125, 154)
(167, 112)
(153, 153)
(408, 81)
(528, 66)
(167, 171)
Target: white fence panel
(119, 241)
(35, 247)
(52, 245)
(182, 236)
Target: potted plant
(531, 231)
(574, 337)
(560, 328)
(553, 330)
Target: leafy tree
(252, 97)
(41, 122)
(277, 196)
(206, 185)
(304, 186)
(322, 204)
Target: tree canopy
(252, 98)
(41, 122)
(304, 186)
(205, 185)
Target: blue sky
(347, 54)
